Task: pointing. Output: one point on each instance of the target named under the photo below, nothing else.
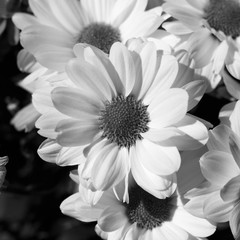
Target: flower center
(100, 35)
(224, 15)
(123, 120)
(146, 210)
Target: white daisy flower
(215, 31)
(57, 25)
(123, 112)
(218, 198)
(142, 217)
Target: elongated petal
(123, 63)
(168, 108)
(110, 167)
(52, 152)
(76, 103)
(88, 78)
(76, 133)
(164, 78)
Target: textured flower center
(100, 35)
(224, 15)
(123, 120)
(146, 210)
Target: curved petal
(123, 62)
(234, 221)
(76, 103)
(164, 78)
(110, 167)
(231, 191)
(215, 209)
(75, 207)
(52, 152)
(159, 186)
(113, 218)
(168, 108)
(198, 227)
(190, 134)
(218, 167)
(157, 159)
(75, 132)
(89, 78)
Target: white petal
(25, 118)
(235, 119)
(172, 231)
(52, 152)
(89, 78)
(76, 132)
(159, 186)
(76, 103)
(165, 76)
(231, 191)
(200, 4)
(101, 60)
(190, 134)
(168, 108)
(75, 207)
(142, 25)
(110, 167)
(149, 66)
(216, 209)
(113, 218)
(235, 221)
(219, 138)
(123, 63)
(202, 47)
(198, 227)
(157, 159)
(195, 90)
(218, 167)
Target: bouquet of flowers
(116, 87)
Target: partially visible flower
(3, 170)
(123, 112)
(213, 29)
(57, 25)
(142, 217)
(25, 118)
(218, 198)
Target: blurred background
(33, 189)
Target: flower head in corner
(57, 25)
(143, 217)
(214, 29)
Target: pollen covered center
(224, 15)
(100, 35)
(123, 120)
(146, 210)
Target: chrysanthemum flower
(214, 26)
(218, 198)
(123, 112)
(142, 217)
(57, 25)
